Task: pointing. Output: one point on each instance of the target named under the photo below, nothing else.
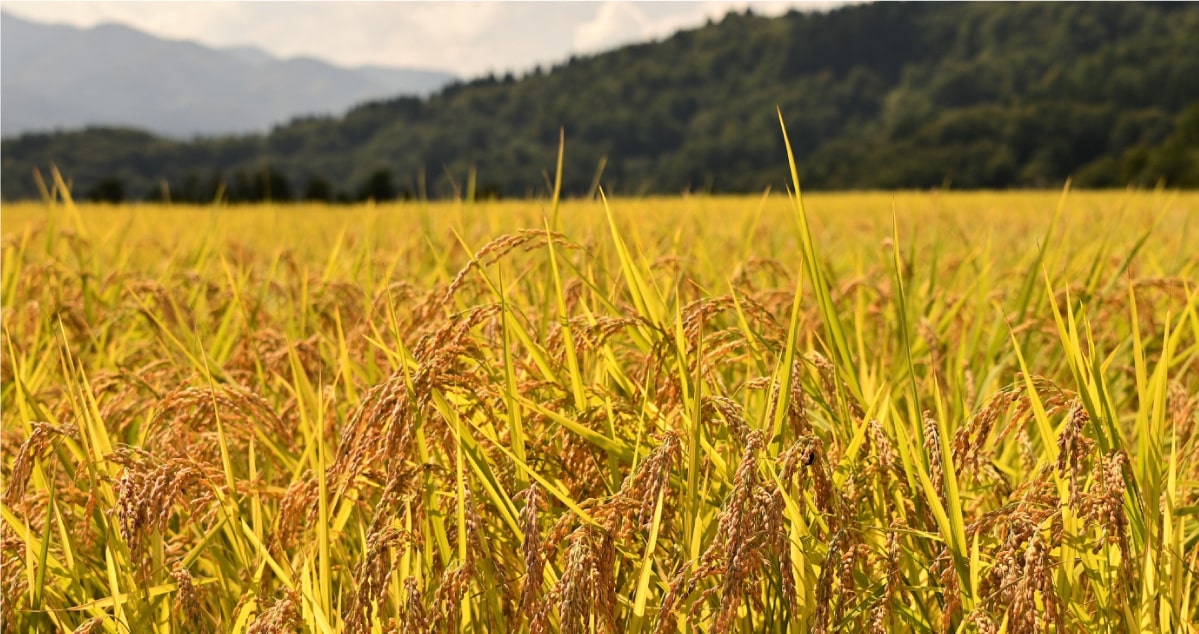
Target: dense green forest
(914, 95)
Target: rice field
(912, 412)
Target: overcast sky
(465, 38)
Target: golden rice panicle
(750, 531)
(282, 617)
(881, 445)
(732, 413)
(1035, 583)
(807, 458)
(797, 406)
(297, 509)
(382, 428)
(457, 579)
(373, 575)
(587, 591)
(1073, 450)
(943, 570)
(414, 618)
(932, 448)
(882, 614)
(971, 438)
(531, 550)
(148, 491)
(827, 373)
(830, 600)
(36, 447)
(1103, 506)
(834, 388)
(632, 508)
(493, 251)
(91, 626)
(1183, 408)
(13, 580)
(186, 604)
(184, 425)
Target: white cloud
(618, 22)
(177, 20)
(467, 38)
(614, 24)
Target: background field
(978, 413)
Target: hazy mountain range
(58, 77)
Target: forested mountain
(914, 95)
(57, 76)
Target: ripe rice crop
(929, 412)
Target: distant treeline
(915, 95)
(263, 185)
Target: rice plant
(925, 412)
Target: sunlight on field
(975, 217)
(979, 412)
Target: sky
(468, 39)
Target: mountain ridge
(175, 88)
